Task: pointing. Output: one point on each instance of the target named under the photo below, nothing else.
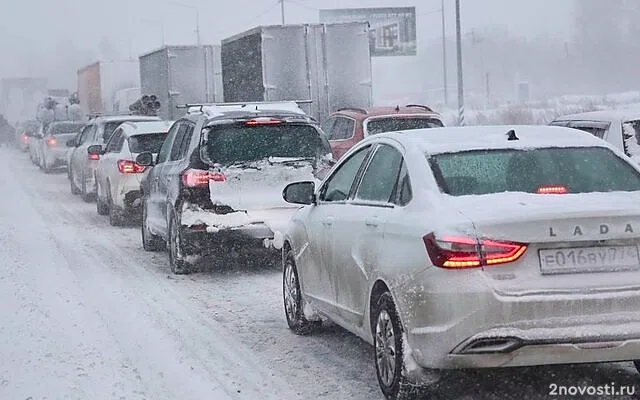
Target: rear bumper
(55, 157)
(198, 240)
(462, 323)
(126, 194)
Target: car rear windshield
(65, 127)
(392, 124)
(151, 142)
(228, 144)
(574, 169)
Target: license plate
(589, 259)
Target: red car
(348, 126)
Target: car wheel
(177, 263)
(87, 197)
(389, 352)
(150, 242)
(74, 189)
(115, 216)
(636, 364)
(292, 295)
(101, 206)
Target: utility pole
(460, 75)
(282, 10)
(199, 42)
(444, 58)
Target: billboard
(392, 29)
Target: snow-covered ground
(87, 314)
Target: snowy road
(87, 314)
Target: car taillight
(464, 252)
(200, 178)
(130, 167)
(553, 189)
(51, 141)
(263, 121)
(94, 157)
(25, 138)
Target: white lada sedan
(471, 247)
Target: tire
(636, 364)
(177, 263)
(389, 352)
(101, 206)
(74, 189)
(292, 297)
(150, 242)
(86, 197)
(115, 215)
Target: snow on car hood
(259, 185)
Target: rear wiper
(290, 160)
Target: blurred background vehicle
(53, 149)
(118, 175)
(82, 165)
(348, 126)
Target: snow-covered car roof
(146, 127)
(605, 115)
(444, 140)
(123, 118)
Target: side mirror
(145, 159)
(95, 150)
(300, 193)
(71, 143)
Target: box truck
(329, 64)
(99, 82)
(179, 75)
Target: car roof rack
(292, 106)
(419, 106)
(356, 109)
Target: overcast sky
(48, 36)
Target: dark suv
(216, 186)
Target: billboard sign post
(392, 29)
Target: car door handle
(373, 222)
(328, 221)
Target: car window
(165, 150)
(151, 142)
(596, 128)
(559, 123)
(403, 191)
(115, 141)
(186, 141)
(631, 138)
(338, 187)
(57, 128)
(233, 143)
(343, 129)
(574, 169)
(88, 135)
(379, 180)
(391, 124)
(327, 127)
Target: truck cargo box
(329, 64)
(181, 74)
(99, 82)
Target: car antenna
(511, 135)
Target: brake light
(94, 157)
(130, 167)
(200, 178)
(459, 252)
(553, 189)
(263, 121)
(25, 138)
(52, 141)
